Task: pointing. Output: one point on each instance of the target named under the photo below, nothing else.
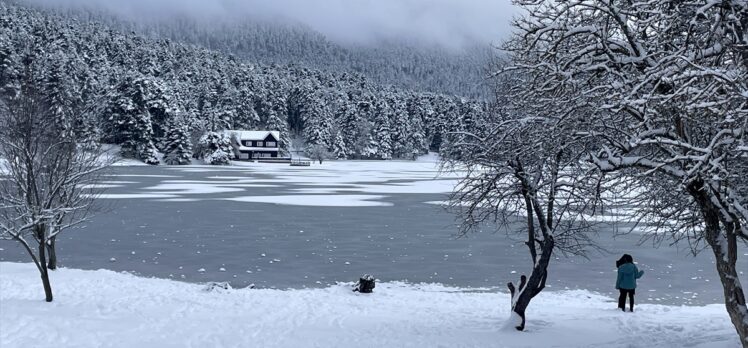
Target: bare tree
(665, 86)
(318, 153)
(528, 170)
(48, 184)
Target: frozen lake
(291, 227)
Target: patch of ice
(192, 189)
(180, 200)
(142, 175)
(133, 195)
(98, 186)
(316, 200)
(420, 186)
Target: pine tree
(339, 149)
(401, 129)
(382, 132)
(317, 120)
(10, 67)
(130, 119)
(60, 92)
(246, 117)
(417, 138)
(418, 114)
(178, 147)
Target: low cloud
(451, 23)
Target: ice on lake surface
(292, 227)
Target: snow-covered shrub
(215, 148)
(148, 154)
(219, 157)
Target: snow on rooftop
(105, 308)
(253, 135)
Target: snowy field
(107, 309)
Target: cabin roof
(254, 135)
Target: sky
(451, 23)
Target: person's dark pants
(622, 298)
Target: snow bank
(104, 308)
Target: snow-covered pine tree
(225, 103)
(416, 138)
(178, 147)
(60, 92)
(90, 94)
(317, 120)
(402, 146)
(382, 132)
(130, 119)
(10, 66)
(339, 149)
(246, 116)
(349, 122)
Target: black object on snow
(365, 284)
(216, 286)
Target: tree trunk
(725, 249)
(45, 274)
(529, 288)
(728, 275)
(52, 263)
(734, 296)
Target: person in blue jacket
(628, 273)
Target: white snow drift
(108, 309)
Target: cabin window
(270, 144)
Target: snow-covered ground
(107, 309)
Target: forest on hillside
(159, 95)
(401, 63)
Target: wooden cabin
(255, 145)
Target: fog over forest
(448, 23)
